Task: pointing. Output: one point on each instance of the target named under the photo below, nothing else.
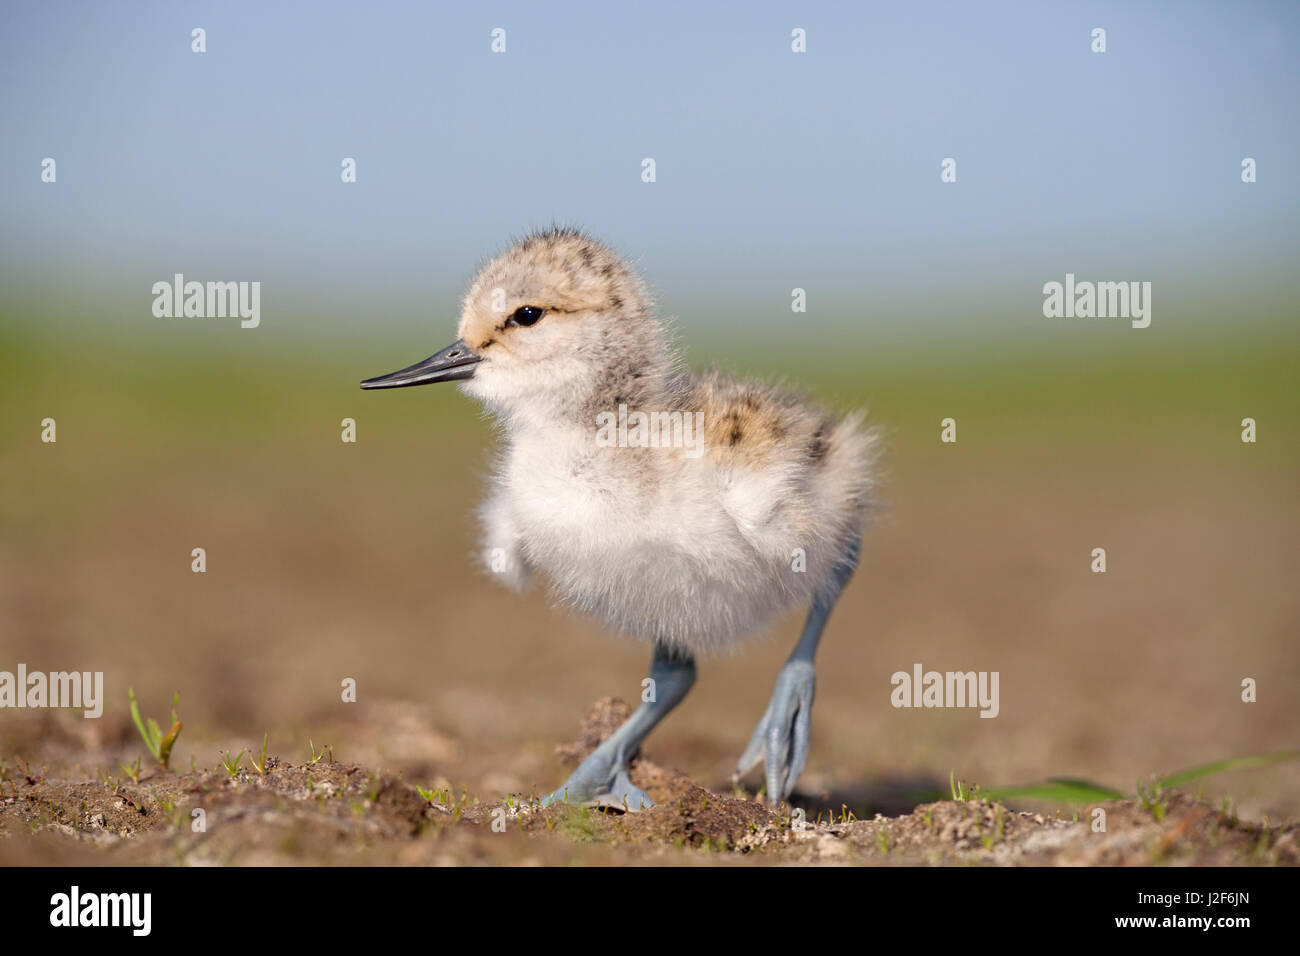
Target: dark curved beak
(453, 364)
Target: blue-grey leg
(602, 777)
(782, 737)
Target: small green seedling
(958, 788)
(132, 772)
(1153, 799)
(232, 765)
(159, 744)
(316, 757)
(260, 765)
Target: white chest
(655, 548)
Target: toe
(799, 745)
(623, 794)
(777, 758)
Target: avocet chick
(684, 510)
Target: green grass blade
(139, 722)
(165, 747)
(1057, 790)
(1223, 766)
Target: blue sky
(775, 170)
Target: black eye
(526, 315)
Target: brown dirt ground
(329, 811)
